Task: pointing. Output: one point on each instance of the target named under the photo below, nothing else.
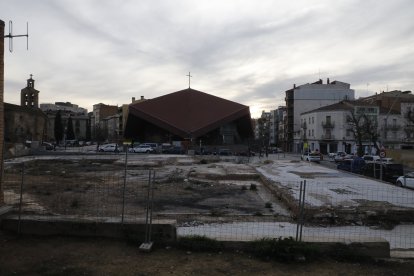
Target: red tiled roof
(189, 112)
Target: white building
(308, 97)
(326, 129)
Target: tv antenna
(11, 36)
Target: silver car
(406, 180)
(109, 148)
(142, 149)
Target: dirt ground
(94, 187)
(76, 256)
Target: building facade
(329, 129)
(79, 115)
(308, 97)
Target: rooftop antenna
(11, 36)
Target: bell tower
(29, 96)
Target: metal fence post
(301, 211)
(21, 200)
(147, 245)
(123, 189)
(299, 208)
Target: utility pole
(1, 110)
(10, 37)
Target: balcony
(328, 137)
(328, 124)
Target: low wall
(163, 231)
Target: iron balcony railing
(328, 124)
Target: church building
(189, 115)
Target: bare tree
(355, 125)
(364, 128)
(370, 130)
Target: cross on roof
(189, 80)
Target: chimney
(142, 98)
(294, 86)
(133, 99)
(327, 81)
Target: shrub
(253, 187)
(287, 249)
(268, 205)
(199, 243)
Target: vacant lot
(184, 188)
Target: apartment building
(308, 97)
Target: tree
(70, 134)
(364, 128)
(370, 127)
(355, 124)
(58, 127)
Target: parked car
(142, 149)
(344, 165)
(386, 160)
(224, 152)
(109, 148)
(48, 146)
(173, 150)
(339, 156)
(331, 155)
(355, 165)
(311, 156)
(390, 172)
(368, 158)
(406, 180)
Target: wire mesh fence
(218, 198)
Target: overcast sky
(251, 52)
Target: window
(328, 120)
(313, 120)
(312, 133)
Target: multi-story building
(99, 113)
(407, 114)
(110, 121)
(328, 128)
(276, 116)
(79, 115)
(307, 97)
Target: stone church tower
(29, 96)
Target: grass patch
(286, 250)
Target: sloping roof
(348, 106)
(188, 112)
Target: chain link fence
(220, 198)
